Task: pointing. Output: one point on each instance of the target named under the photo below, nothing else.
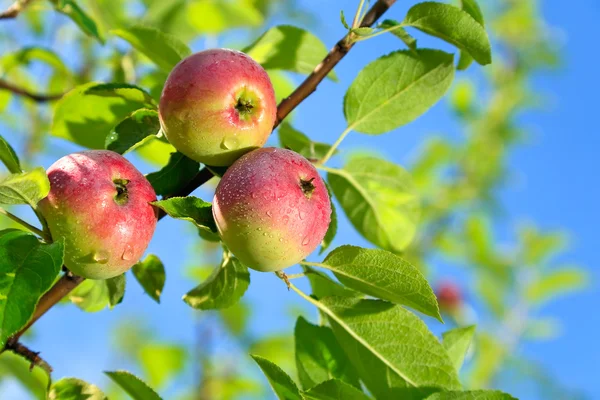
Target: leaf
(28, 269)
(72, 10)
(178, 172)
(487, 361)
(27, 55)
(333, 224)
(555, 283)
(226, 285)
(334, 389)
(163, 49)
(132, 131)
(379, 199)
(472, 8)
(24, 188)
(116, 289)
(75, 389)
(343, 19)
(150, 273)
(9, 157)
(283, 386)
(323, 286)
(457, 342)
(319, 357)
(452, 25)
(289, 48)
(297, 141)
(15, 367)
(384, 275)
(88, 113)
(95, 295)
(400, 33)
(396, 89)
(133, 385)
(215, 16)
(471, 395)
(363, 31)
(392, 350)
(162, 362)
(191, 209)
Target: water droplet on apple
(302, 214)
(269, 214)
(101, 257)
(305, 241)
(127, 253)
(285, 219)
(230, 143)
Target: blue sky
(554, 185)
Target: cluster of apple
(217, 107)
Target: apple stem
(307, 187)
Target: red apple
(99, 204)
(217, 105)
(272, 209)
(449, 296)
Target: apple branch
(40, 98)
(14, 9)
(32, 356)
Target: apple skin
(105, 232)
(449, 296)
(217, 105)
(263, 214)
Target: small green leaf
(319, 357)
(297, 141)
(399, 32)
(283, 386)
(555, 283)
(333, 225)
(25, 188)
(72, 10)
(457, 342)
(178, 172)
(364, 31)
(17, 368)
(471, 395)
(133, 385)
(161, 362)
(116, 289)
(472, 8)
(28, 269)
(396, 89)
(384, 275)
(225, 287)
(379, 199)
(453, 25)
(132, 131)
(289, 48)
(150, 273)
(323, 286)
(91, 295)
(161, 48)
(335, 389)
(191, 209)
(88, 113)
(9, 157)
(75, 389)
(27, 55)
(343, 19)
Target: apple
(272, 209)
(449, 296)
(99, 203)
(217, 105)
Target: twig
(282, 275)
(40, 98)
(25, 224)
(32, 356)
(14, 9)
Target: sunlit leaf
(75, 389)
(150, 273)
(71, 9)
(24, 188)
(457, 342)
(132, 131)
(334, 389)
(161, 362)
(134, 386)
(283, 386)
(556, 283)
(190, 209)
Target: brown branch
(14, 9)
(33, 356)
(5, 85)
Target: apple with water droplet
(100, 204)
(272, 209)
(217, 105)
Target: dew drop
(302, 214)
(127, 253)
(305, 241)
(230, 143)
(101, 257)
(281, 239)
(264, 233)
(269, 214)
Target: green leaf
(289, 48)
(88, 113)
(28, 269)
(24, 188)
(75, 389)
(191, 209)
(364, 31)
(15, 367)
(72, 10)
(319, 356)
(343, 19)
(27, 55)
(215, 16)
(9, 157)
(554, 283)
(471, 395)
(133, 131)
(384, 275)
(452, 25)
(283, 386)
(379, 199)
(150, 273)
(162, 362)
(134, 386)
(283, 85)
(400, 33)
(472, 8)
(95, 295)
(383, 341)
(396, 89)
(323, 286)
(333, 224)
(161, 48)
(487, 361)
(297, 141)
(225, 287)
(334, 389)
(457, 342)
(116, 290)
(178, 172)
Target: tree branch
(14, 9)
(40, 98)
(33, 356)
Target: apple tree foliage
(376, 305)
